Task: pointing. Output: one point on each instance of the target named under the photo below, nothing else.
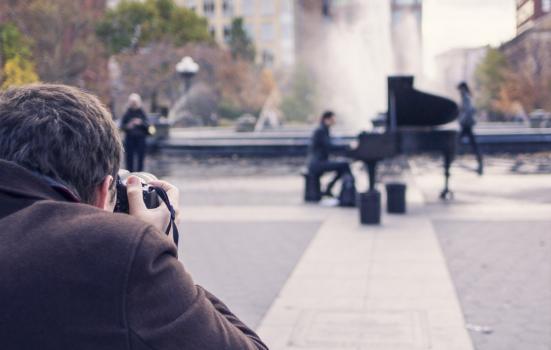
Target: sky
(465, 23)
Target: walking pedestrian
(467, 122)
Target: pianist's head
(328, 118)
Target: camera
(150, 196)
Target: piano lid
(410, 107)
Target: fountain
(361, 44)
(350, 46)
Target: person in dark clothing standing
(135, 124)
(319, 151)
(467, 121)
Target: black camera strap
(172, 225)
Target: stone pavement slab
(244, 263)
(359, 287)
(502, 272)
(496, 237)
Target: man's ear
(103, 197)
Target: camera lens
(150, 197)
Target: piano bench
(312, 186)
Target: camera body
(150, 197)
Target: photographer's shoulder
(91, 229)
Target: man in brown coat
(74, 275)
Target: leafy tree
(505, 85)
(240, 43)
(15, 53)
(185, 26)
(125, 25)
(491, 76)
(12, 42)
(134, 23)
(18, 71)
(239, 86)
(299, 102)
(529, 76)
(64, 45)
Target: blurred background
(281, 62)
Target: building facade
(529, 11)
(530, 51)
(529, 55)
(270, 24)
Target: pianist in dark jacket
(73, 274)
(320, 150)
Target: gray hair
(135, 99)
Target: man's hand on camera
(158, 217)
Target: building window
(407, 2)
(267, 32)
(250, 30)
(326, 8)
(191, 4)
(267, 58)
(247, 7)
(287, 6)
(396, 17)
(287, 32)
(526, 12)
(212, 32)
(227, 33)
(268, 7)
(227, 8)
(209, 6)
(546, 5)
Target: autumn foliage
(234, 85)
(133, 47)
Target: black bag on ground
(347, 197)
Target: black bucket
(396, 198)
(370, 208)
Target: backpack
(347, 197)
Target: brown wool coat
(75, 277)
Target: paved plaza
(473, 273)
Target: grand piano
(413, 125)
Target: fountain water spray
(354, 55)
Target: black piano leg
(372, 172)
(446, 193)
(370, 201)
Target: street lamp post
(187, 68)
